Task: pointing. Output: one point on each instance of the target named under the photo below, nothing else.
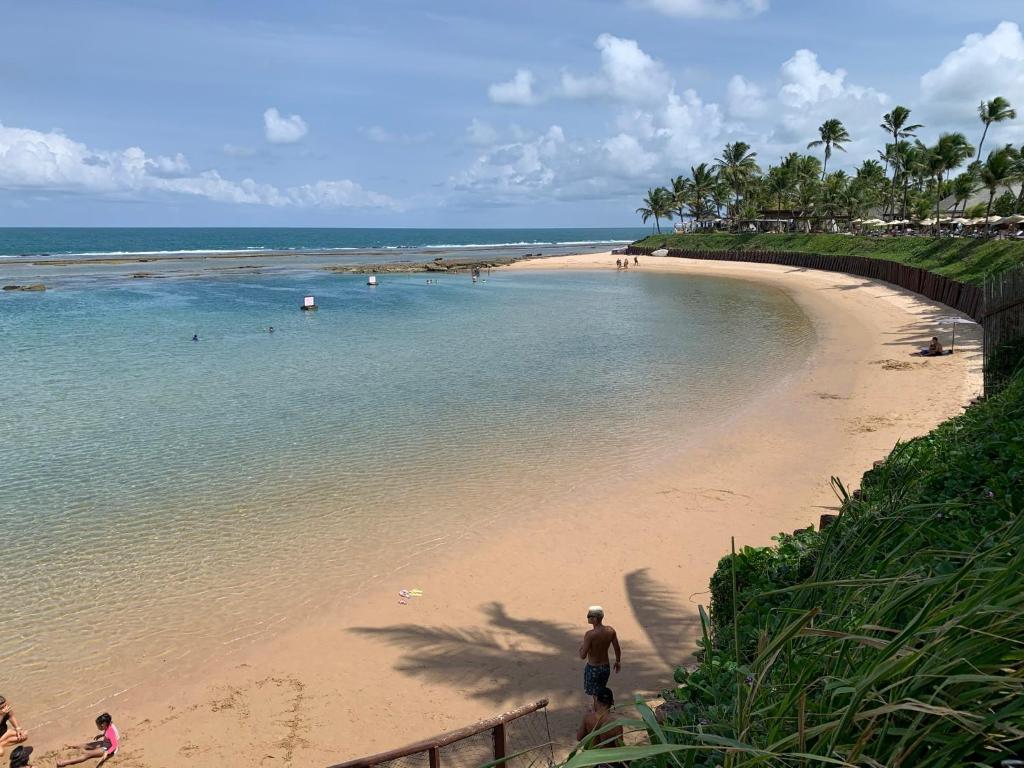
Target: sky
(457, 113)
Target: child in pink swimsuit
(104, 746)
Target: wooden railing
(432, 747)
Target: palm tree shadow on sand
(508, 660)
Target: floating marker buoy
(309, 304)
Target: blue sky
(453, 113)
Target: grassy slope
(968, 260)
(916, 602)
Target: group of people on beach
(599, 720)
(102, 746)
(624, 263)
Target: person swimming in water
(195, 337)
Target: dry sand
(503, 614)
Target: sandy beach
(504, 610)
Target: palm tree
(997, 171)
(736, 166)
(994, 111)
(658, 204)
(681, 192)
(949, 152)
(833, 134)
(702, 186)
(964, 186)
(894, 123)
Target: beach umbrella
(927, 222)
(954, 321)
(660, 252)
(1016, 218)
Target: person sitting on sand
(104, 746)
(21, 757)
(10, 731)
(934, 348)
(595, 650)
(599, 719)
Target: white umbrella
(927, 222)
(954, 321)
(660, 252)
(1016, 218)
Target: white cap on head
(595, 610)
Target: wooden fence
(960, 296)
(1003, 321)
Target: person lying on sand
(104, 746)
(10, 731)
(597, 720)
(595, 650)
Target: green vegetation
(891, 638)
(965, 259)
(908, 179)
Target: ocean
(104, 241)
(165, 500)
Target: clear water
(163, 498)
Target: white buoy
(372, 280)
(309, 304)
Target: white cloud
(380, 135)
(233, 150)
(481, 133)
(805, 82)
(628, 156)
(627, 74)
(283, 130)
(518, 90)
(745, 99)
(984, 66)
(709, 9)
(34, 160)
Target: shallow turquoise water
(161, 497)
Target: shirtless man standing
(595, 650)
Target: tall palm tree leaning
(993, 111)
(736, 167)
(833, 134)
(949, 153)
(894, 123)
(658, 204)
(997, 171)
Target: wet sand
(503, 611)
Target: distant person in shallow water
(103, 747)
(618, 263)
(598, 719)
(595, 650)
(195, 337)
(10, 732)
(270, 329)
